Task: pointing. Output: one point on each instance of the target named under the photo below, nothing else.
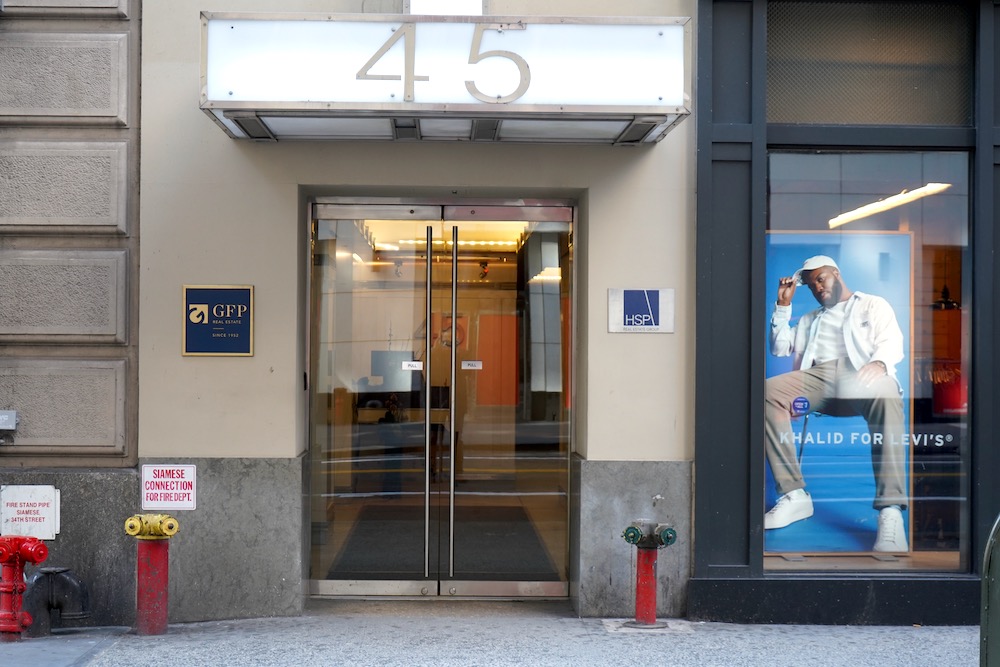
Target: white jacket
(871, 333)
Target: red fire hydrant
(152, 570)
(648, 537)
(15, 551)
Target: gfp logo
(198, 313)
(641, 308)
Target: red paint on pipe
(151, 587)
(15, 551)
(645, 587)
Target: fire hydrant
(15, 551)
(152, 569)
(649, 537)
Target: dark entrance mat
(491, 544)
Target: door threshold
(448, 589)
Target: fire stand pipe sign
(640, 310)
(169, 487)
(29, 511)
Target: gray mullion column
(984, 457)
(730, 210)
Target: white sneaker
(791, 507)
(891, 533)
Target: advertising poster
(840, 433)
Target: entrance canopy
(445, 78)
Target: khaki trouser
(832, 388)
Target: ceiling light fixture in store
(945, 302)
(904, 197)
(548, 274)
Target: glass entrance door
(440, 402)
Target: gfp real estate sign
(218, 320)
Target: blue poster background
(838, 475)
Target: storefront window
(867, 323)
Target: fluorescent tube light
(904, 197)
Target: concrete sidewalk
(491, 633)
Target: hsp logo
(198, 313)
(641, 307)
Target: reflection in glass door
(440, 401)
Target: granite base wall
(607, 496)
(238, 555)
(94, 504)
(241, 553)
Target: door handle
(452, 462)
(427, 406)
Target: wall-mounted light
(904, 197)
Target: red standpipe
(15, 551)
(645, 587)
(648, 538)
(152, 532)
(151, 587)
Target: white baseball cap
(813, 263)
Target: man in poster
(845, 354)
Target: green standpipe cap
(668, 536)
(632, 535)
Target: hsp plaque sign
(640, 310)
(218, 320)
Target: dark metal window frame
(729, 581)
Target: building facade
(430, 351)
(824, 134)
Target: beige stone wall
(73, 8)
(69, 129)
(219, 211)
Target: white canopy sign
(537, 79)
